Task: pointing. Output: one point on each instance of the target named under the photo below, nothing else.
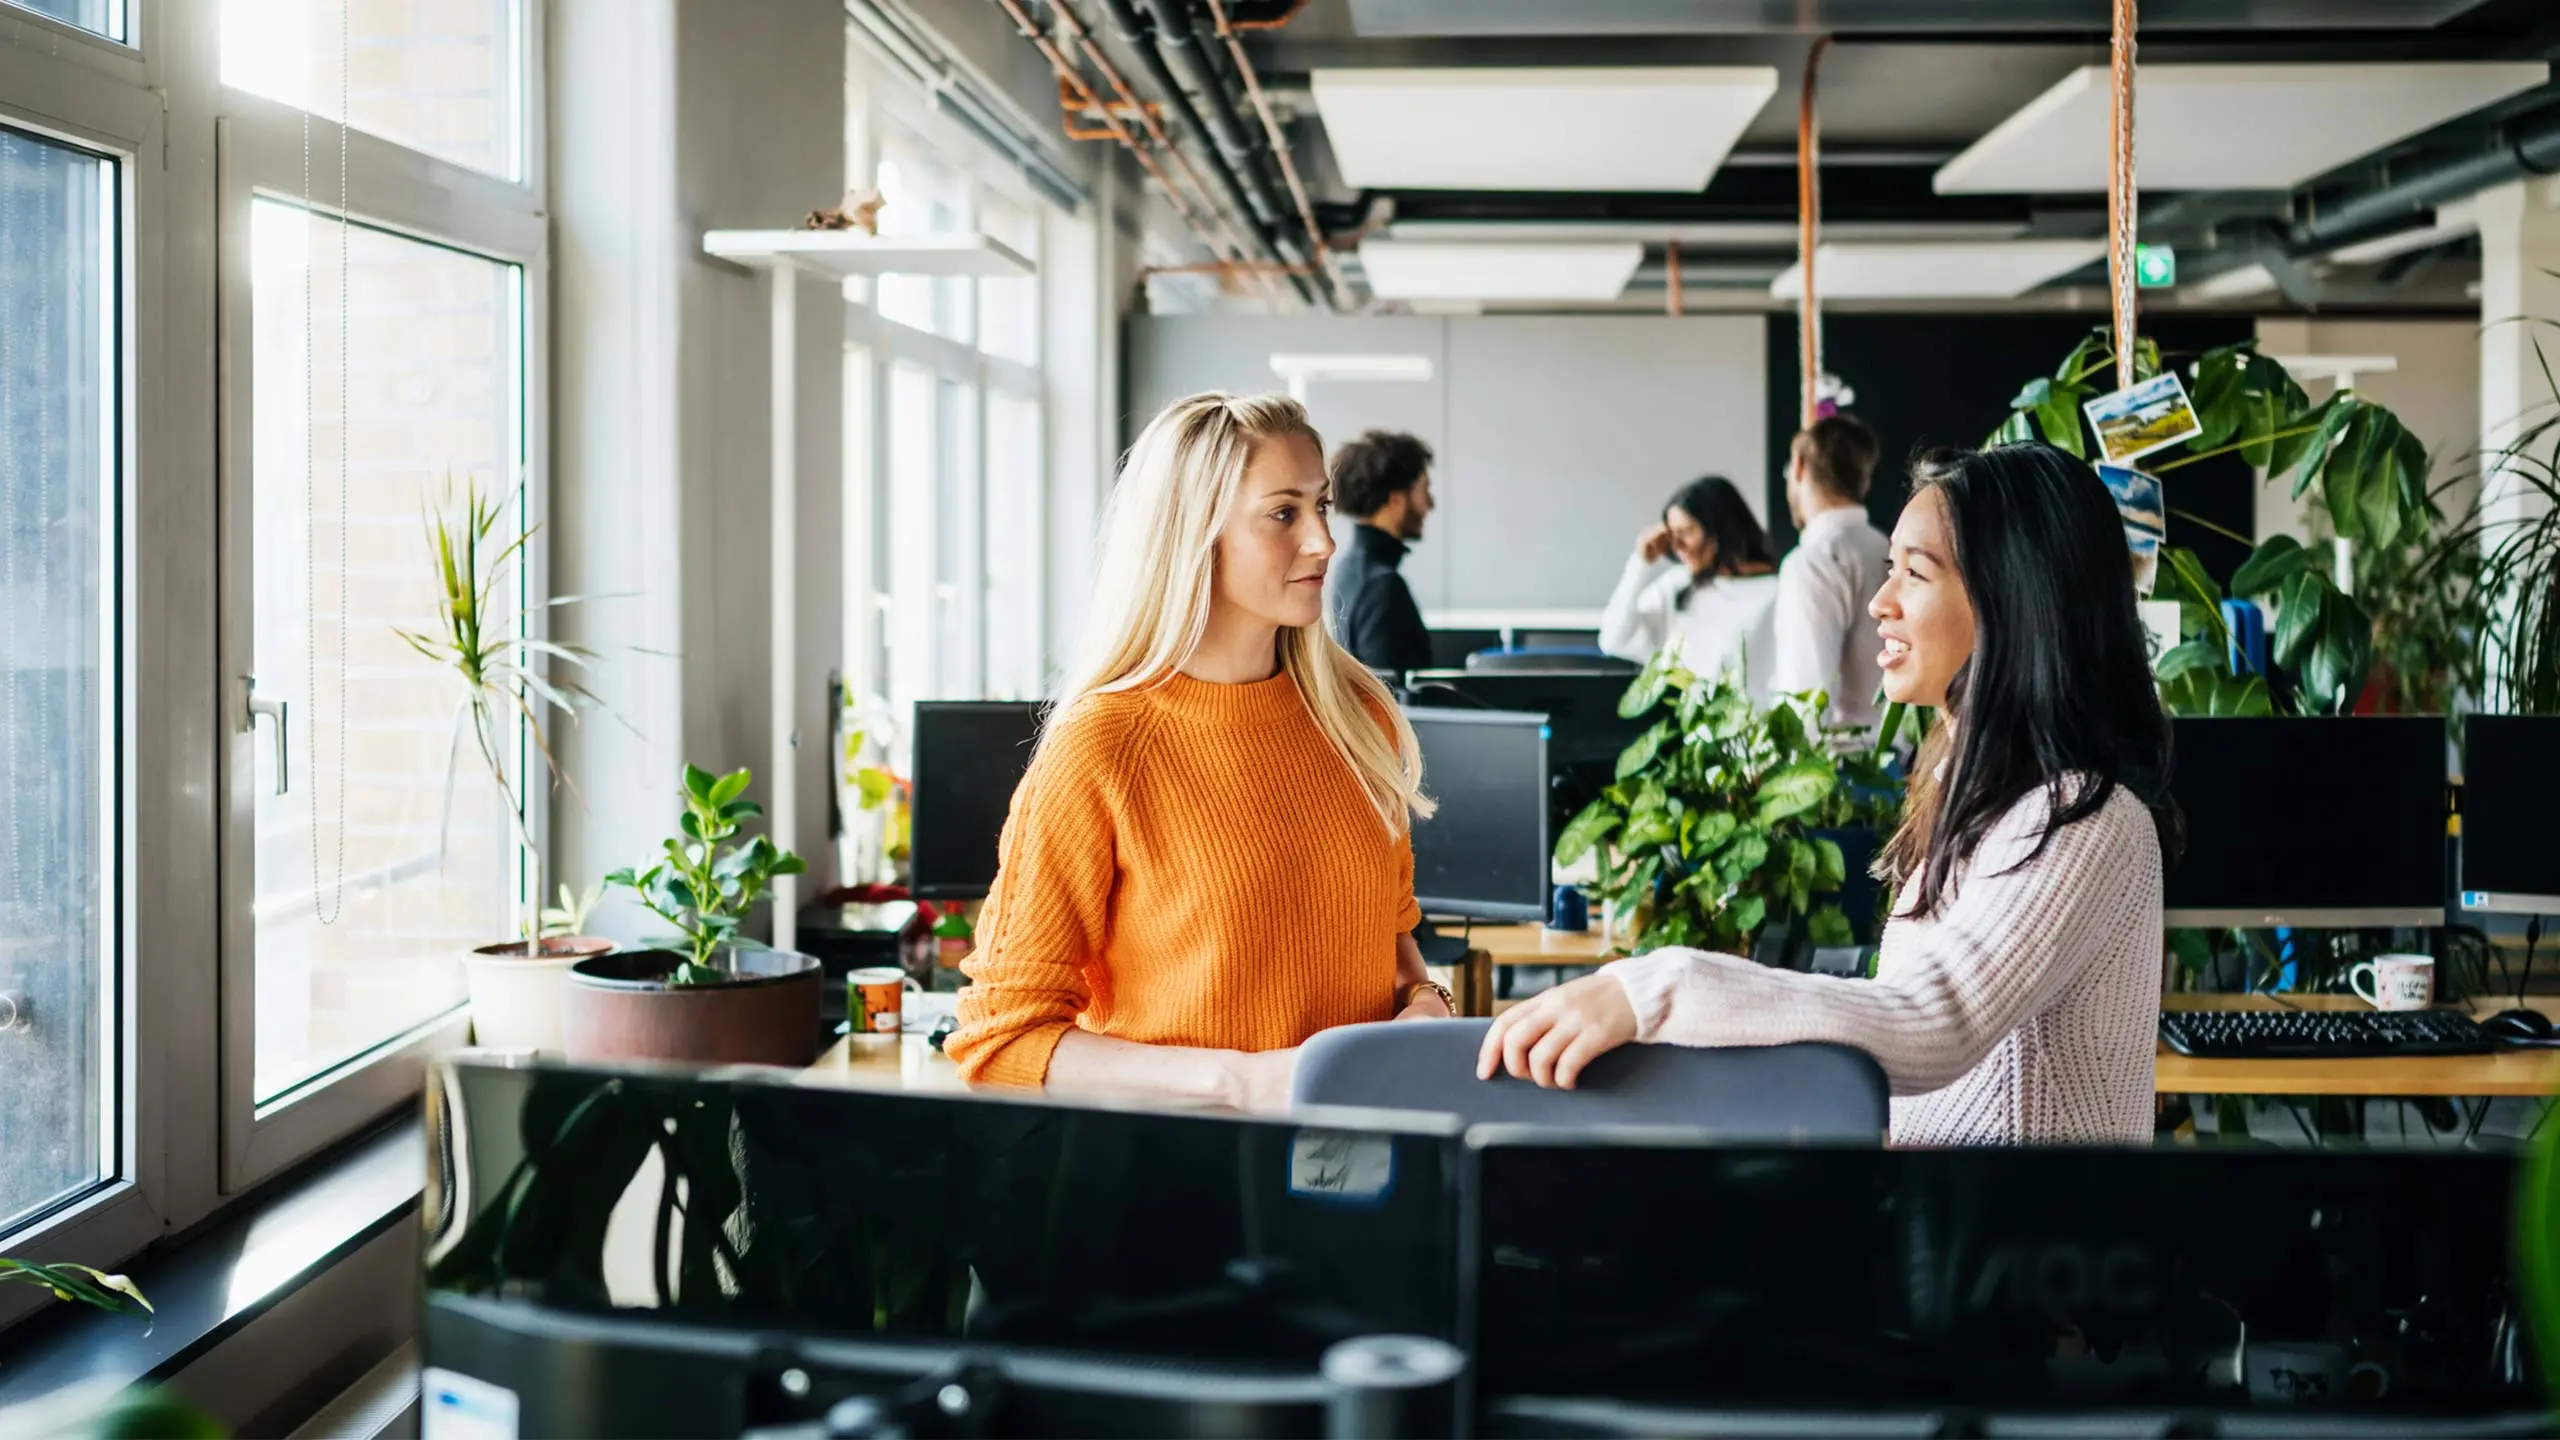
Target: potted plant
(719, 999)
(514, 984)
(1709, 835)
(955, 936)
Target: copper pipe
(1671, 254)
(1283, 18)
(1808, 234)
(1074, 27)
(1280, 147)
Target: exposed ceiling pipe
(1067, 74)
(1178, 42)
(1140, 37)
(2528, 146)
(1075, 29)
(1340, 288)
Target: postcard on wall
(2138, 498)
(2146, 559)
(2134, 422)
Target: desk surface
(869, 1063)
(914, 1065)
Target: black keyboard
(2320, 1034)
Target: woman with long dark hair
(2018, 995)
(1718, 599)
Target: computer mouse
(2519, 1027)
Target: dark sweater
(1373, 612)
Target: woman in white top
(1717, 600)
(2019, 992)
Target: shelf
(842, 254)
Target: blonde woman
(1211, 857)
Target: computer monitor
(2320, 822)
(2510, 791)
(1450, 648)
(1581, 706)
(969, 756)
(1627, 1284)
(1483, 854)
(788, 1215)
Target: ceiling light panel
(1999, 270)
(1538, 129)
(1417, 270)
(2226, 127)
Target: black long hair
(2059, 682)
(1721, 511)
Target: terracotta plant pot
(515, 997)
(620, 1007)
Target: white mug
(2395, 982)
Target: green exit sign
(2154, 266)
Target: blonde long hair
(1155, 579)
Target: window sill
(214, 1280)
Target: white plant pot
(515, 997)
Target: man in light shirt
(1825, 640)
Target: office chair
(1552, 662)
(1825, 1094)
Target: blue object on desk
(1569, 912)
(2248, 625)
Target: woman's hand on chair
(1549, 1037)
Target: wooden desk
(1497, 945)
(866, 1063)
(2502, 1073)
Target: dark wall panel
(1931, 380)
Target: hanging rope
(2120, 193)
(1808, 233)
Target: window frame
(97, 103)
(258, 149)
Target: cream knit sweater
(2024, 1012)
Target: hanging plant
(2370, 471)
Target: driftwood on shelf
(859, 210)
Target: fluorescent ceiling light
(1424, 270)
(1994, 270)
(1756, 234)
(1538, 129)
(2454, 220)
(2226, 127)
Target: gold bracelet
(1405, 997)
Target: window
(438, 76)
(1015, 522)
(923, 196)
(58, 461)
(100, 17)
(1009, 308)
(383, 854)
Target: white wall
(1558, 437)
(672, 117)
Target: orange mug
(878, 996)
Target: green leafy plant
(483, 641)
(2371, 474)
(2515, 543)
(706, 886)
(114, 1294)
(569, 917)
(2430, 612)
(1706, 837)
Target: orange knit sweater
(1190, 864)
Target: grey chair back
(1776, 1094)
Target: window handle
(271, 710)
